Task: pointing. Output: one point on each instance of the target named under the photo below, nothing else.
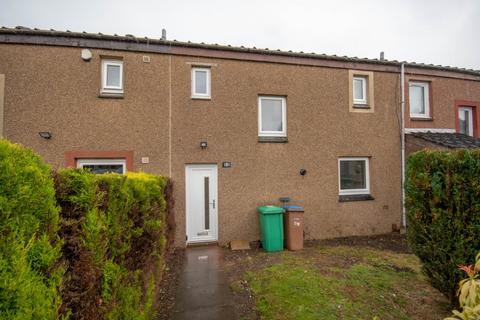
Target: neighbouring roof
(450, 140)
(19, 30)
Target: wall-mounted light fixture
(45, 135)
(86, 55)
(303, 172)
(203, 144)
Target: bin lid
(270, 210)
(292, 206)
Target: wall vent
(146, 59)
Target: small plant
(469, 293)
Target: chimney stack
(382, 55)
(164, 34)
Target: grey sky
(443, 32)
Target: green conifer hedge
(29, 246)
(443, 211)
(78, 245)
(114, 231)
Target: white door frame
(212, 235)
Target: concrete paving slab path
(203, 291)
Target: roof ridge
(22, 30)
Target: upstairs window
(99, 166)
(419, 101)
(112, 76)
(465, 120)
(354, 176)
(360, 90)
(272, 119)
(201, 83)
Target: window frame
(365, 191)
(196, 95)
(105, 87)
(102, 161)
(364, 79)
(471, 122)
(426, 99)
(262, 133)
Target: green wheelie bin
(271, 227)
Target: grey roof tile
(450, 140)
(21, 30)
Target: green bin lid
(270, 210)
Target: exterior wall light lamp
(45, 135)
(203, 144)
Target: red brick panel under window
(475, 114)
(72, 156)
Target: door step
(202, 244)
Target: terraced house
(235, 127)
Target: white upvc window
(201, 83)
(465, 120)
(354, 175)
(112, 76)
(272, 116)
(99, 166)
(418, 93)
(360, 90)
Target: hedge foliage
(29, 246)
(100, 258)
(113, 226)
(443, 211)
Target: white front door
(465, 119)
(201, 203)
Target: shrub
(114, 230)
(29, 246)
(443, 211)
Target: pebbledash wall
(48, 87)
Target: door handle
(213, 203)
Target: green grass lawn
(341, 283)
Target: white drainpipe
(402, 86)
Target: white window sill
(360, 103)
(420, 117)
(201, 97)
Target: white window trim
(196, 95)
(469, 110)
(367, 177)
(426, 99)
(111, 89)
(262, 133)
(106, 162)
(364, 80)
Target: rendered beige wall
(53, 89)
(320, 129)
